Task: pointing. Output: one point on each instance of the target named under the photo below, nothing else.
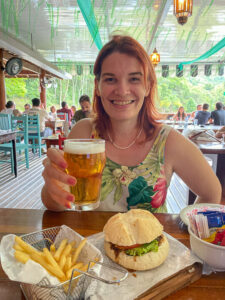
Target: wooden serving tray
(173, 283)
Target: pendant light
(182, 10)
(155, 57)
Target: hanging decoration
(165, 71)
(179, 73)
(79, 69)
(221, 70)
(208, 70)
(194, 70)
(89, 17)
(207, 54)
(91, 67)
(155, 57)
(182, 9)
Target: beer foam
(84, 148)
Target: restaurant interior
(55, 43)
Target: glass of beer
(86, 161)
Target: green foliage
(173, 91)
(189, 92)
(15, 88)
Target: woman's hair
(148, 113)
(179, 113)
(9, 104)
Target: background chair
(5, 121)
(61, 142)
(34, 134)
(62, 116)
(19, 124)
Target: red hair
(148, 114)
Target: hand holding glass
(86, 161)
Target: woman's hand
(55, 193)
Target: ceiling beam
(15, 47)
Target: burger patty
(117, 249)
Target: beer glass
(86, 161)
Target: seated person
(85, 110)
(27, 106)
(141, 153)
(37, 110)
(180, 115)
(66, 110)
(203, 115)
(218, 115)
(193, 114)
(73, 109)
(53, 114)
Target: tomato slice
(128, 247)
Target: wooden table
(215, 128)
(20, 221)
(10, 137)
(53, 140)
(213, 148)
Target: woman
(180, 115)
(73, 109)
(52, 113)
(142, 154)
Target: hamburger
(135, 240)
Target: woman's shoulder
(82, 129)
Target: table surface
(20, 221)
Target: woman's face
(181, 110)
(53, 110)
(121, 86)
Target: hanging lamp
(182, 9)
(155, 57)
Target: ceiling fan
(14, 66)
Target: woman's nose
(122, 88)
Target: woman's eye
(109, 79)
(135, 79)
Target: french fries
(58, 262)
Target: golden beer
(86, 161)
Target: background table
(87, 223)
(10, 137)
(213, 148)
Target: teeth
(122, 102)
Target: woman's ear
(96, 87)
(147, 90)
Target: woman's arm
(185, 159)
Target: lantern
(182, 9)
(155, 57)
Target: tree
(15, 88)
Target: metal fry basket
(72, 289)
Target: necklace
(127, 147)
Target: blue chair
(34, 134)
(5, 121)
(20, 124)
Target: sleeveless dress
(142, 186)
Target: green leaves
(139, 192)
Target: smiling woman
(142, 154)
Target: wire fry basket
(72, 289)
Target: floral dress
(142, 186)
